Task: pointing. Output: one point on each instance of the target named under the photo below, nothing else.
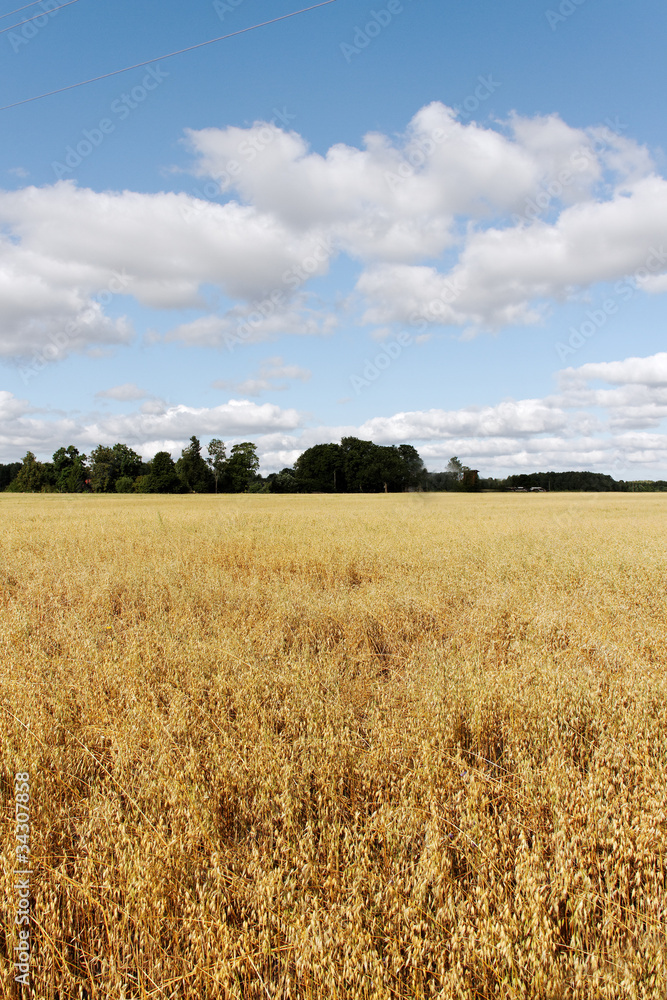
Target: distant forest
(353, 466)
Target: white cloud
(523, 417)
(272, 374)
(651, 371)
(66, 251)
(611, 430)
(443, 205)
(264, 319)
(155, 427)
(178, 423)
(126, 392)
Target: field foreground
(348, 747)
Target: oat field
(344, 747)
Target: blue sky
(411, 221)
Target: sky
(443, 224)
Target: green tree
(70, 471)
(163, 477)
(242, 467)
(124, 485)
(455, 469)
(108, 465)
(372, 468)
(143, 484)
(193, 470)
(360, 473)
(320, 469)
(282, 482)
(217, 458)
(8, 473)
(32, 477)
(413, 465)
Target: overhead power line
(168, 55)
(51, 10)
(19, 9)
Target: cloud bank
(466, 225)
(612, 429)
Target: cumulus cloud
(64, 253)
(533, 214)
(578, 427)
(651, 371)
(514, 216)
(178, 423)
(154, 427)
(523, 417)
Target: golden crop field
(335, 746)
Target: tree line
(589, 482)
(353, 466)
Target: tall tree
(163, 477)
(373, 468)
(70, 470)
(242, 467)
(193, 470)
(217, 457)
(32, 477)
(455, 468)
(320, 469)
(360, 474)
(413, 465)
(108, 465)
